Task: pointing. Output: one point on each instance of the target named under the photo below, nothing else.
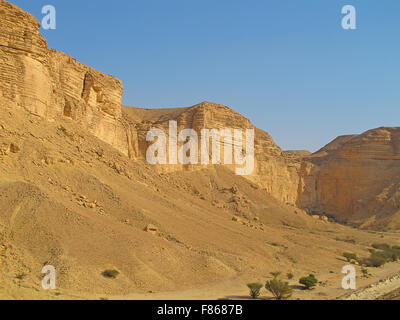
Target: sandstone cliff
(274, 170)
(354, 178)
(50, 83)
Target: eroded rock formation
(275, 171)
(354, 178)
(50, 83)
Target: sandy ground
(381, 282)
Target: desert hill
(77, 193)
(71, 200)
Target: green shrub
(255, 289)
(279, 289)
(350, 256)
(110, 274)
(309, 282)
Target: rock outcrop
(356, 179)
(274, 170)
(50, 83)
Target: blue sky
(286, 65)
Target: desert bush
(383, 253)
(279, 289)
(290, 276)
(375, 260)
(110, 274)
(365, 272)
(350, 256)
(255, 289)
(275, 274)
(309, 282)
(380, 246)
(392, 254)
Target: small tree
(255, 289)
(309, 282)
(279, 289)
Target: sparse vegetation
(348, 240)
(375, 261)
(365, 272)
(309, 282)
(279, 289)
(275, 274)
(380, 246)
(290, 276)
(112, 274)
(350, 256)
(385, 254)
(255, 289)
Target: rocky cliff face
(356, 179)
(50, 83)
(274, 171)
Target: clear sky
(287, 65)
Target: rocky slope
(70, 200)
